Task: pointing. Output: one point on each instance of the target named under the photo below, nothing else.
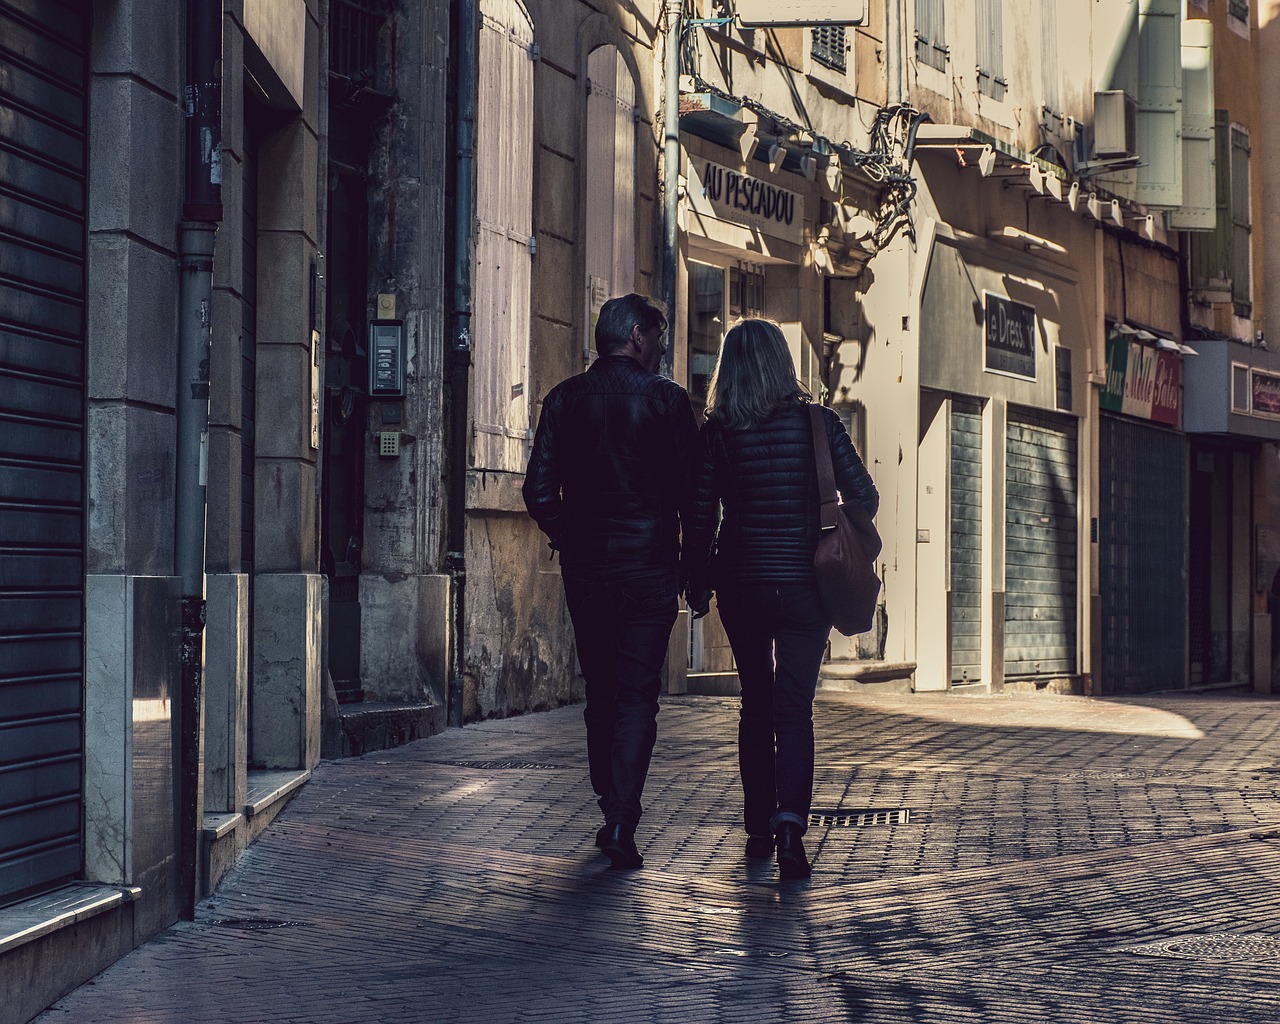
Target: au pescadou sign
(1142, 381)
(735, 196)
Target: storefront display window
(706, 326)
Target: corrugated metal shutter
(610, 174)
(1040, 545)
(504, 200)
(966, 541)
(43, 80)
(1142, 550)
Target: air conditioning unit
(1115, 125)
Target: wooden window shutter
(1198, 211)
(501, 315)
(1159, 100)
(610, 177)
(990, 38)
(931, 36)
(1210, 260)
(1241, 223)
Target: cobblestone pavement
(1064, 860)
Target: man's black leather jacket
(765, 480)
(608, 479)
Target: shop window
(746, 292)
(610, 174)
(706, 326)
(504, 243)
(1239, 388)
(829, 46)
(931, 36)
(991, 80)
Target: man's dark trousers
(621, 626)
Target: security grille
(43, 133)
(829, 46)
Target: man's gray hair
(619, 315)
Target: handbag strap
(830, 507)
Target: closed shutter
(610, 174)
(991, 80)
(1141, 556)
(1040, 545)
(1241, 223)
(1159, 101)
(504, 201)
(931, 36)
(966, 541)
(43, 79)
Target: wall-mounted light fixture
(1025, 240)
(777, 154)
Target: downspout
(671, 175)
(466, 64)
(893, 51)
(201, 212)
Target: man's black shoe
(792, 862)
(601, 833)
(620, 847)
(759, 847)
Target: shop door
(43, 78)
(966, 541)
(1040, 545)
(1142, 555)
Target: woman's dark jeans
(621, 628)
(779, 634)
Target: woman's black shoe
(759, 847)
(792, 862)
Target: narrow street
(1048, 859)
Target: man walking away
(608, 483)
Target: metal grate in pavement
(1109, 774)
(860, 819)
(255, 924)
(1213, 947)
(499, 766)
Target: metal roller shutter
(43, 79)
(966, 541)
(1040, 545)
(1142, 556)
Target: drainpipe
(671, 175)
(466, 65)
(893, 50)
(201, 212)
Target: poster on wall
(1265, 393)
(1010, 336)
(1142, 381)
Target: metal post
(893, 50)
(671, 175)
(466, 66)
(202, 209)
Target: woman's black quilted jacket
(764, 480)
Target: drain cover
(1126, 773)
(498, 766)
(256, 924)
(860, 819)
(1216, 946)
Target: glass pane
(706, 326)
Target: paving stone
(1050, 838)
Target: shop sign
(1142, 381)
(1010, 336)
(739, 198)
(1265, 393)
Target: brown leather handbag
(848, 544)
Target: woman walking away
(752, 537)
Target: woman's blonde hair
(754, 376)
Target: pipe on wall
(201, 211)
(671, 175)
(466, 68)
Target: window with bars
(353, 37)
(931, 37)
(746, 291)
(1238, 9)
(829, 46)
(991, 80)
